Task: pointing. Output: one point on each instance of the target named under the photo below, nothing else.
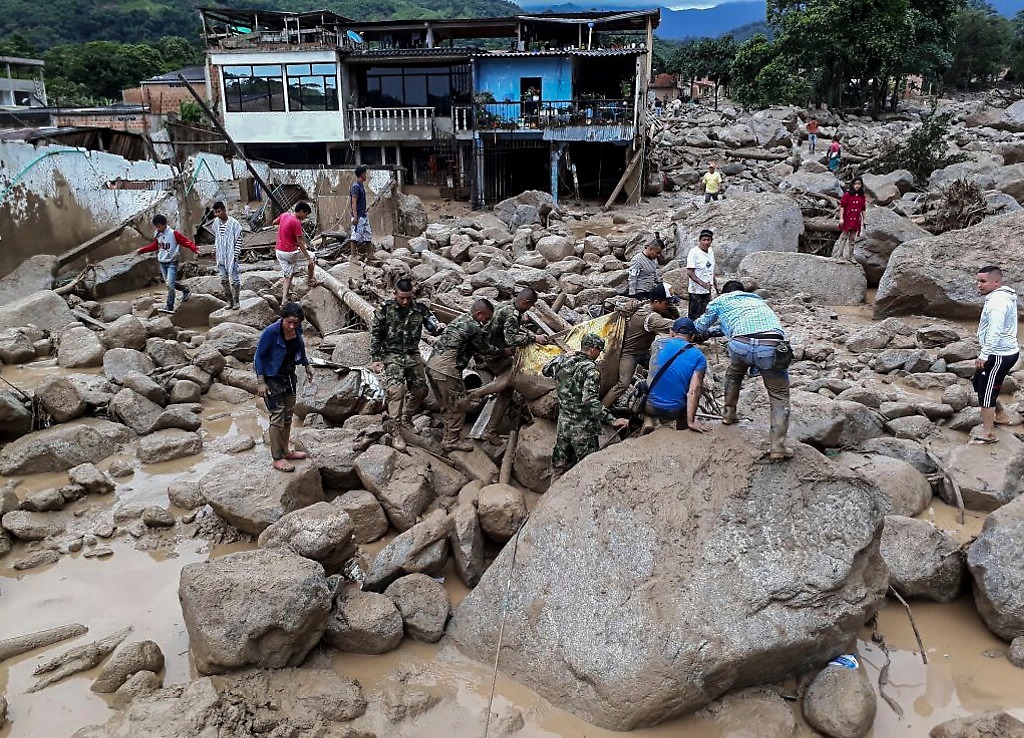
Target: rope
(501, 630)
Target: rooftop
(191, 74)
(21, 61)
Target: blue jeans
(759, 359)
(169, 271)
(229, 272)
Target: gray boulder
(902, 489)
(501, 509)
(35, 274)
(661, 549)
(137, 412)
(169, 444)
(266, 608)
(325, 311)
(120, 274)
(412, 216)
(840, 702)
(62, 447)
(26, 525)
(45, 309)
(364, 622)
(994, 562)
(254, 312)
(16, 347)
(984, 725)
(822, 422)
(884, 232)
(197, 311)
(77, 346)
(322, 532)
(368, 519)
(744, 225)
(91, 479)
(531, 465)
(15, 416)
(466, 540)
(127, 332)
(129, 659)
(988, 476)
(118, 362)
(936, 275)
(824, 183)
(334, 397)
(923, 561)
(826, 281)
(423, 549)
(233, 339)
(246, 494)
(60, 397)
(423, 603)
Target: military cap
(592, 340)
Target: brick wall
(161, 99)
(118, 121)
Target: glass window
(254, 89)
(308, 90)
(298, 70)
(415, 90)
(436, 87)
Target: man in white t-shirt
(700, 265)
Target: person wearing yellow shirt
(712, 181)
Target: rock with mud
(138, 684)
(62, 447)
(44, 309)
(744, 225)
(197, 311)
(15, 416)
(985, 725)
(364, 622)
(155, 516)
(368, 519)
(903, 490)
(209, 360)
(502, 510)
(118, 362)
(77, 346)
(334, 397)
(36, 559)
(758, 712)
(249, 497)
(145, 386)
(35, 274)
(60, 397)
(994, 562)
(120, 274)
(127, 332)
(266, 608)
(988, 476)
(840, 702)
(466, 540)
(923, 560)
(422, 549)
(233, 339)
(401, 487)
(424, 604)
(819, 421)
(31, 526)
(16, 347)
(531, 465)
(129, 659)
(662, 547)
(826, 281)
(935, 275)
(883, 233)
(135, 411)
(334, 451)
(322, 532)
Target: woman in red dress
(851, 218)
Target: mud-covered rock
(60, 397)
(135, 411)
(424, 605)
(364, 622)
(129, 659)
(234, 339)
(127, 332)
(466, 540)
(662, 546)
(985, 725)
(994, 562)
(923, 561)
(368, 519)
(988, 476)
(169, 444)
(118, 362)
(531, 465)
(77, 346)
(250, 497)
(92, 479)
(840, 702)
(266, 608)
(502, 510)
(62, 447)
(322, 532)
(16, 347)
(44, 309)
(31, 526)
(903, 490)
(827, 281)
(334, 397)
(15, 416)
(145, 386)
(422, 549)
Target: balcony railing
(392, 120)
(540, 114)
(462, 118)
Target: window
(435, 87)
(254, 88)
(312, 87)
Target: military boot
(729, 402)
(778, 450)
(453, 440)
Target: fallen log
(77, 660)
(755, 154)
(357, 304)
(11, 647)
(821, 225)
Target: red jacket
(180, 237)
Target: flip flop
(983, 441)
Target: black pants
(697, 305)
(989, 381)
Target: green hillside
(58, 22)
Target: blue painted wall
(501, 77)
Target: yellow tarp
(611, 327)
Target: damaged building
(480, 108)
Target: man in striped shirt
(228, 246)
(754, 334)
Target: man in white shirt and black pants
(700, 265)
(997, 334)
(227, 249)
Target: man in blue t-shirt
(362, 236)
(675, 392)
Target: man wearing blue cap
(676, 379)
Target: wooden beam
(625, 175)
(91, 245)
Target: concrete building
(164, 94)
(482, 108)
(21, 83)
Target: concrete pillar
(556, 157)
(400, 173)
(478, 181)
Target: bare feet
(284, 466)
(295, 455)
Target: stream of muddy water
(967, 670)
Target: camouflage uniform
(452, 351)
(395, 341)
(506, 333)
(580, 412)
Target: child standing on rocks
(167, 243)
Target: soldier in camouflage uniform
(507, 334)
(395, 349)
(464, 336)
(580, 411)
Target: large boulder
(137, 412)
(234, 339)
(364, 622)
(322, 532)
(61, 398)
(35, 274)
(77, 346)
(814, 183)
(119, 362)
(649, 552)
(526, 208)
(423, 602)
(127, 332)
(923, 561)
(412, 216)
(819, 421)
(840, 702)
(266, 608)
(983, 725)
(15, 416)
(169, 444)
(902, 489)
(994, 562)
(254, 312)
(325, 311)
(883, 233)
(196, 312)
(62, 447)
(120, 274)
(987, 476)
(44, 309)
(336, 398)
(743, 225)
(827, 281)
(936, 275)
(531, 465)
(249, 496)
(423, 549)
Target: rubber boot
(778, 449)
(394, 430)
(226, 286)
(236, 296)
(729, 402)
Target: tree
(762, 77)
(178, 52)
(17, 45)
(981, 46)
(103, 68)
(1016, 60)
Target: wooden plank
(91, 245)
(625, 175)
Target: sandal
(983, 441)
(283, 466)
(296, 455)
